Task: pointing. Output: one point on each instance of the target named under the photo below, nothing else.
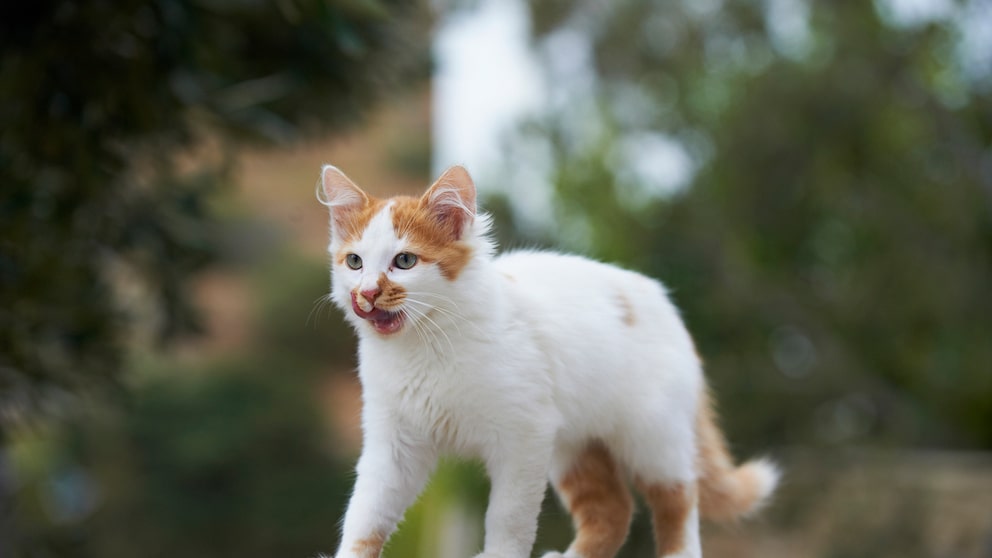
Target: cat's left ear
(451, 200)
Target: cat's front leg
(391, 473)
(518, 483)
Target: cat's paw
(553, 555)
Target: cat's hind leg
(675, 515)
(660, 453)
(593, 488)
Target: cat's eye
(354, 261)
(405, 260)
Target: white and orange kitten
(539, 364)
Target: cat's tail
(727, 491)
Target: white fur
(768, 475)
(519, 362)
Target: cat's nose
(371, 294)
(364, 301)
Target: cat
(541, 365)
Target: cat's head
(395, 262)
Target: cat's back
(614, 345)
(576, 295)
(567, 273)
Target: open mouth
(383, 321)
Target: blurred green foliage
(832, 249)
(117, 124)
(229, 456)
(221, 462)
(105, 169)
(296, 318)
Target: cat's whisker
(423, 315)
(321, 304)
(441, 309)
(313, 308)
(413, 315)
(454, 316)
(435, 295)
(416, 327)
(441, 331)
(429, 338)
(419, 325)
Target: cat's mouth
(383, 322)
(386, 322)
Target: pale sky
(488, 80)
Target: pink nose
(371, 294)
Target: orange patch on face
(597, 496)
(670, 506)
(350, 221)
(369, 547)
(391, 294)
(430, 239)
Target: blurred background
(812, 180)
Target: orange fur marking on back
(430, 239)
(627, 310)
(670, 506)
(597, 496)
(369, 547)
(725, 491)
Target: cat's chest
(444, 405)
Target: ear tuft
(451, 200)
(339, 190)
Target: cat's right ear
(342, 196)
(451, 201)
